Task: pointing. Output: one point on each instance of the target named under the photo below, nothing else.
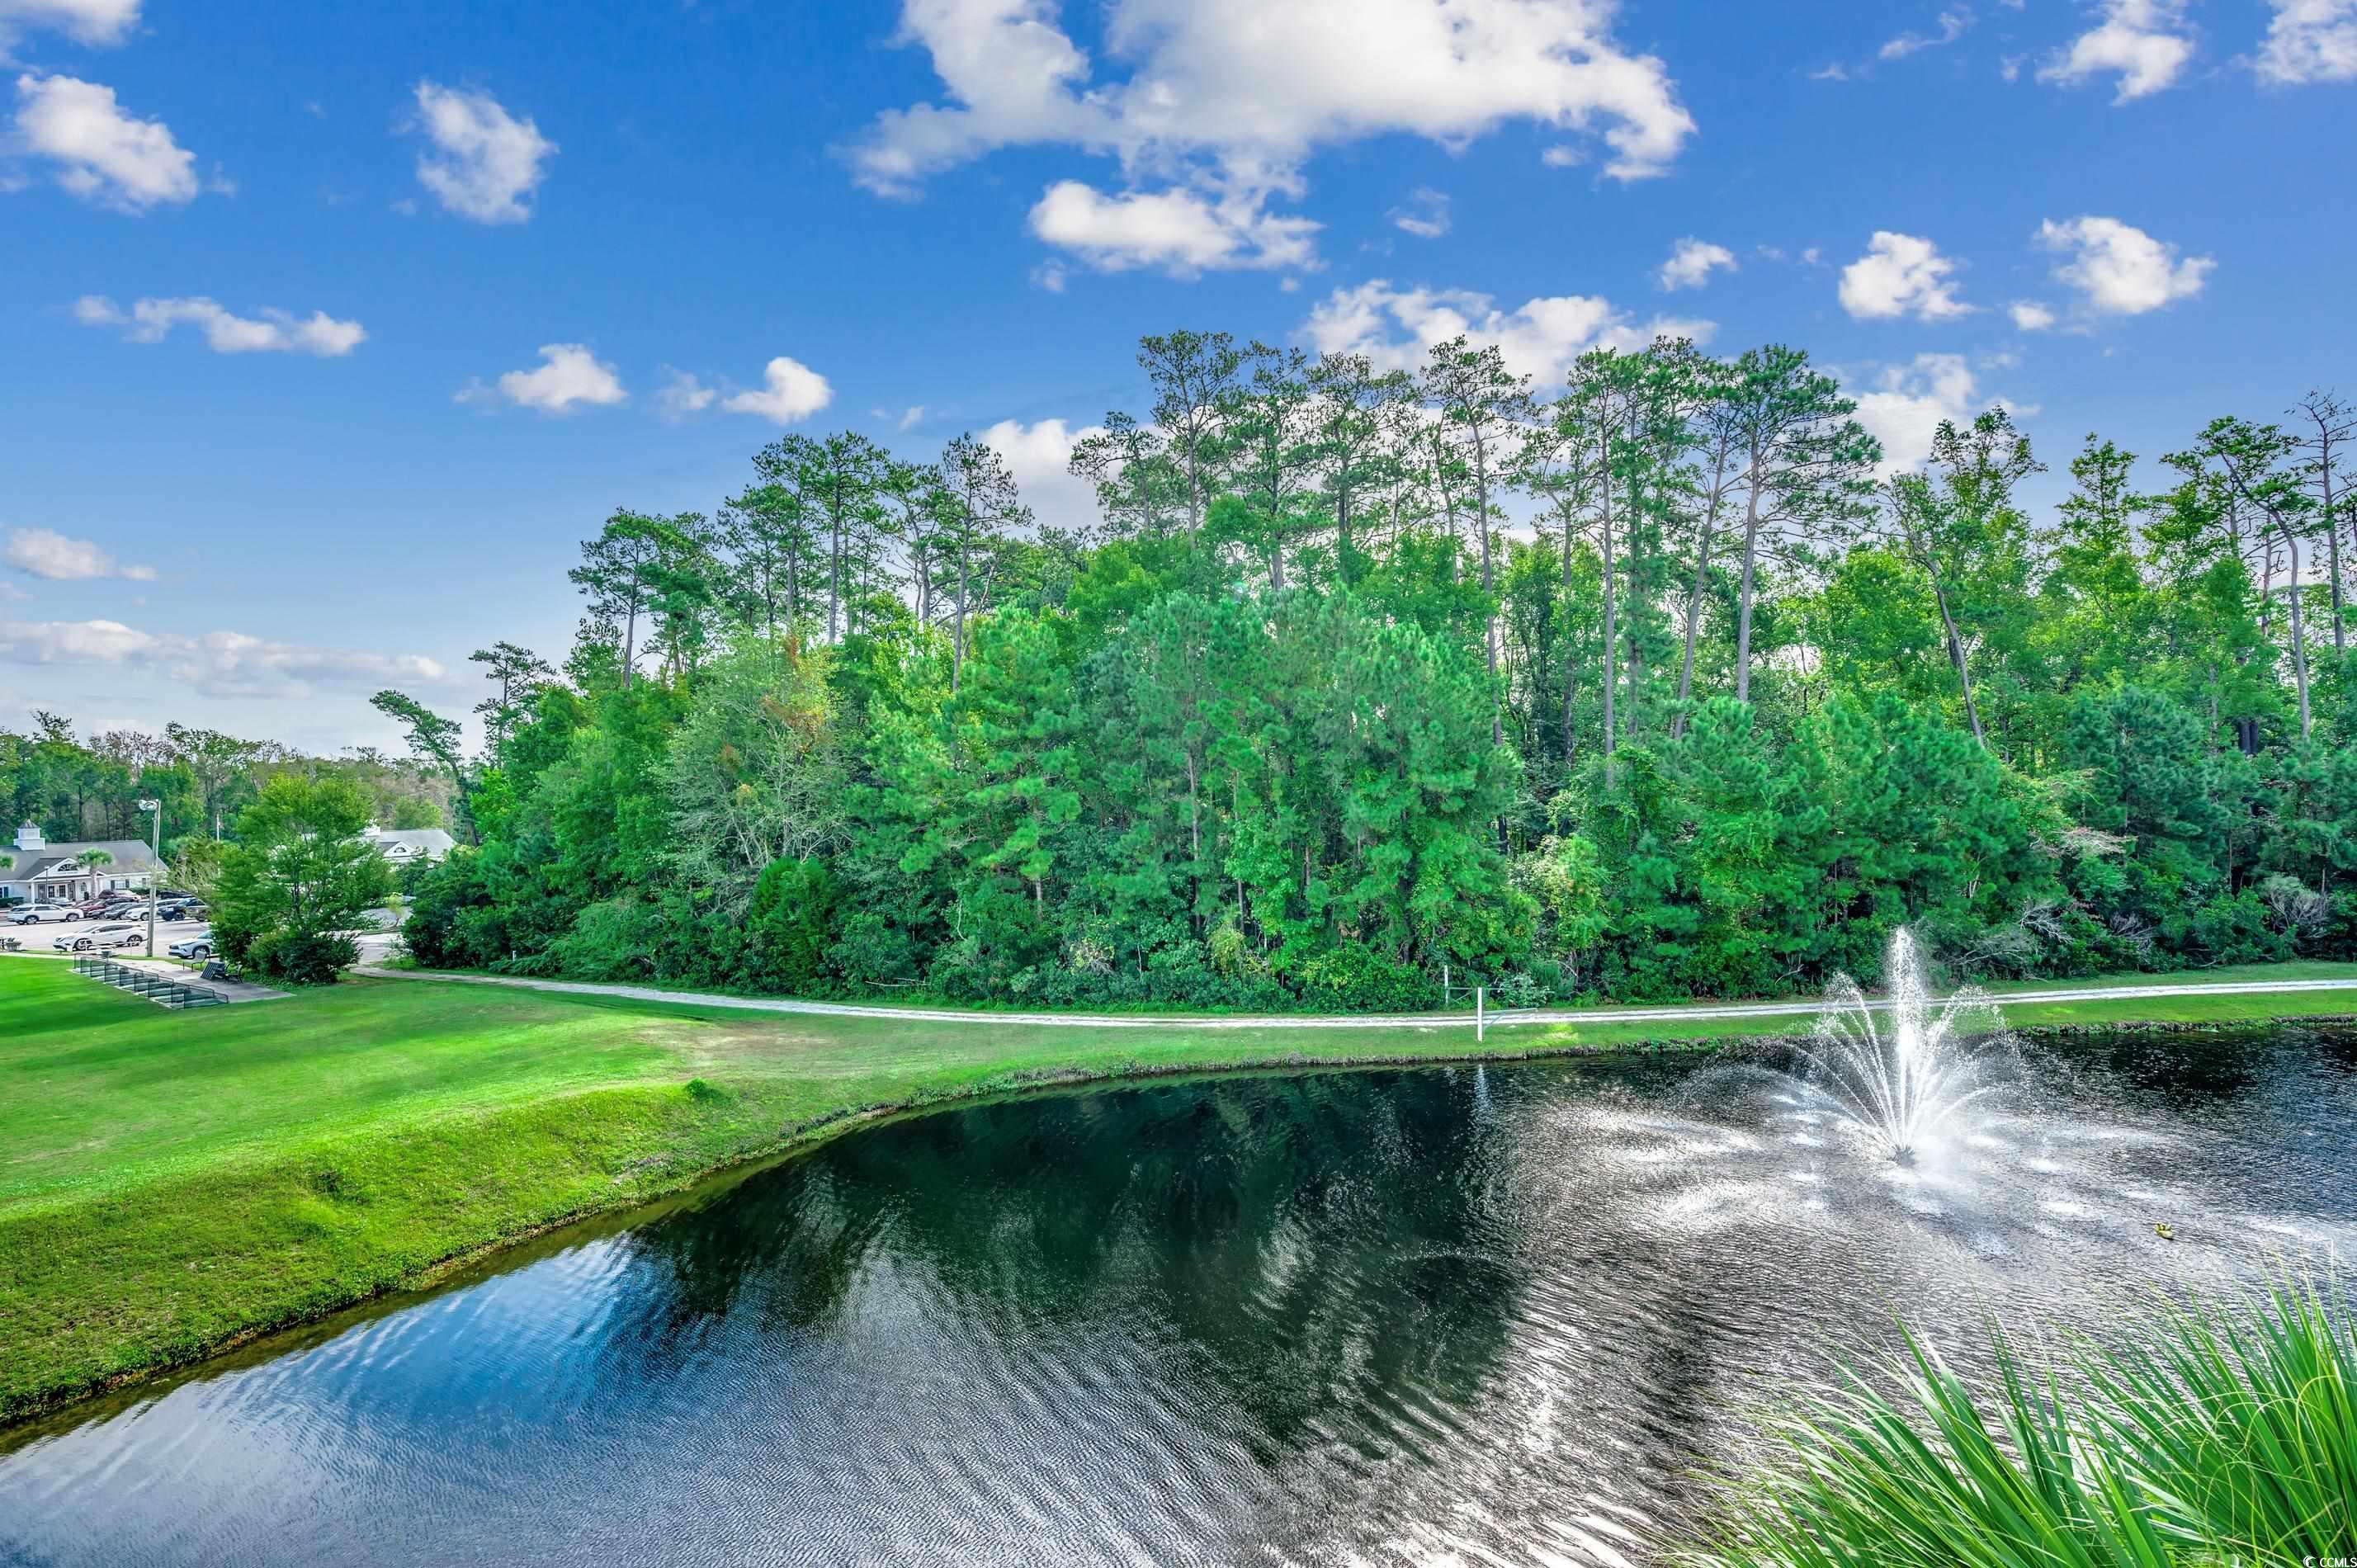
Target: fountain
(1901, 1081)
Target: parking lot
(38, 940)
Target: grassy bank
(171, 1182)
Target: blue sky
(331, 330)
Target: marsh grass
(2218, 1434)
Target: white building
(403, 846)
(39, 872)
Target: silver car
(197, 947)
(98, 938)
(34, 914)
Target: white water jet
(1898, 1074)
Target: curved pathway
(1358, 1021)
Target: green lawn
(170, 1182)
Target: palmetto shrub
(2219, 1435)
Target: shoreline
(602, 1130)
(2021, 993)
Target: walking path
(1794, 1009)
(228, 990)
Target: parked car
(127, 912)
(196, 949)
(180, 910)
(34, 914)
(99, 937)
(100, 904)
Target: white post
(155, 809)
(1481, 1019)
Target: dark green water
(1501, 1315)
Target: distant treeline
(1659, 687)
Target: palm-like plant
(91, 859)
(2220, 1435)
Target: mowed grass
(173, 1182)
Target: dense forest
(1662, 686)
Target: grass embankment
(172, 1182)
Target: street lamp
(155, 809)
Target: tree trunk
(1743, 594)
(630, 637)
(1964, 673)
(1570, 646)
(1694, 595)
(834, 579)
(1489, 588)
(957, 636)
(2298, 635)
(2332, 552)
(1612, 632)
(1636, 645)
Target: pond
(1498, 1313)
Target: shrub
(1358, 978)
(2222, 1435)
(302, 958)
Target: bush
(302, 958)
(791, 919)
(1354, 978)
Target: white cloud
(47, 554)
(680, 395)
(274, 331)
(572, 375)
(486, 162)
(1906, 404)
(2120, 270)
(220, 663)
(1423, 214)
(1952, 23)
(1563, 157)
(2030, 315)
(1226, 99)
(2309, 41)
(911, 418)
(1539, 338)
(85, 21)
(1040, 456)
(792, 392)
(2145, 42)
(1901, 274)
(102, 154)
(1178, 231)
(1691, 262)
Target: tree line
(1360, 677)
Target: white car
(98, 938)
(198, 947)
(34, 914)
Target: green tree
(298, 880)
(832, 485)
(1806, 465)
(431, 738)
(980, 506)
(1957, 524)
(519, 673)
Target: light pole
(155, 809)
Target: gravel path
(1796, 1009)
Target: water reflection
(1494, 1314)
